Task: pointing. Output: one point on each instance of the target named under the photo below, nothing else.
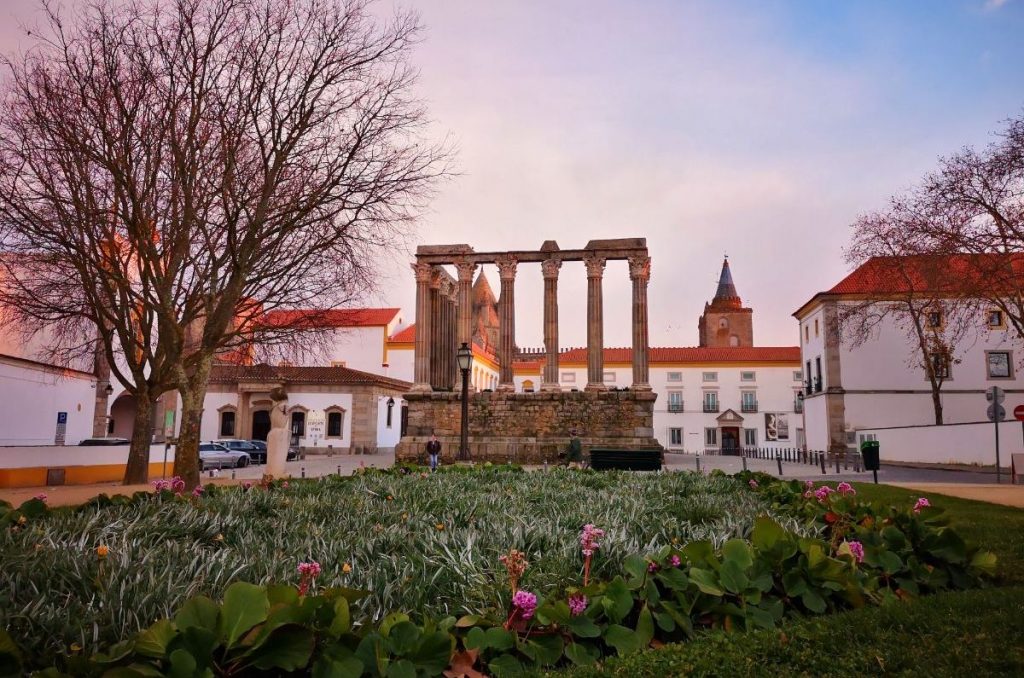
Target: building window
(227, 424)
(999, 364)
(750, 437)
(798, 403)
(675, 437)
(569, 377)
(711, 437)
(528, 386)
(748, 376)
(748, 401)
(710, 376)
(298, 424)
(809, 384)
(798, 375)
(933, 319)
(817, 374)
(337, 363)
(335, 423)
(815, 327)
(723, 323)
(940, 365)
(609, 377)
(995, 319)
(675, 376)
(675, 401)
(807, 334)
(710, 401)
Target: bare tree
(258, 155)
(914, 292)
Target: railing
(798, 406)
(748, 407)
(675, 407)
(710, 408)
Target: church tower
(485, 314)
(725, 322)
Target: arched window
(734, 340)
(528, 386)
(723, 323)
(335, 422)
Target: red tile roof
(693, 354)
(407, 334)
(220, 374)
(342, 317)
(952, 273)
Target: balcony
(817, 385)
(798, 405)
(711, 407)
(675, 407)
(748, 407)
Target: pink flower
(197, 491)
(809, 484)
(177, 484)
(310, 569)
(652, 566)
(577, 604)
(674, 560)
(41, 497)
(822, 492)
(857, 549)
(589, 537)
(921, 503)
(808, 494)
(752, 483)
(161, 485)
(284, 485)
(845, 489)
(247, 484)
(525, 603)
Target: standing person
(433, 451)
(574, 454)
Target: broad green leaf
(498, 638)
(403, 668)
(476, 639)
(984, 561)
(581, 654)
(245, 606)
(545, 650)
(706, 581)
(767, 534)
(674, 578)
(583, 627)
(153, 641)
(183, 665)
(389, 621)
(737, 551)
(200, 612)
(732, 577)
(699, 552)
(332, 668)
(434, 652)
(288, 648)
(618, 600)
(403, 638)
(813, 601)
(622, 639)
(342, 622)
(645, 626)
(505, 665)
(635, 566)
(371, 653)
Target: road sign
(1018, 413)
(996, 413)
(995, 394)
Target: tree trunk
(136, 472)
(937, 404)
(186, 455)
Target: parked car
(260, 450)
(215, 455)
(257, 455)
(93, 442)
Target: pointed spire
(726, 287)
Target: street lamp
(391, 406)
(464, 356)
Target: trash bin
(869, 452)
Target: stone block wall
(529, 427)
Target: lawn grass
(979, 632)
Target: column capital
(424, 271)
(448, 288)
(506, 267)
(436, 279)
(550, 268)
(466, 269)
(595, 265)
(640, 267)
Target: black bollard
(303, 471)
(744, 462)
(821, 457)
(339, 469)
(778, 458)
(698, 463)
(232, 474)
(837, 465)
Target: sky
(760, 129)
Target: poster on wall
(776, 426)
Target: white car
(215, 455)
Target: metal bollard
(837, 464)
(846, 463)
(211, 472)
(856, 464)
(821, 458)
(778, 458)
(303, 471)
(698, 463)
(232, 474)
(339, 469)
(744, 462)
(545, 465)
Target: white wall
(387, 437)
(30, 398)
(400, 364)
(209, 428)
(73, 455)
(360, 348)
(949, 444)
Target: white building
(853, 391)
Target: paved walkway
(958, 483)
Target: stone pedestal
(529, 427)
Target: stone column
(421, 349)
(595, 323)
(464, 334)
(507, 318)
(549, 382)
(436, 324)
(640, 274)
(453, 331)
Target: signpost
(62, 427)
(997, 413)
(1018, 414)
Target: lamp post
(464, 356)
(391, 407)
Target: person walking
(433, 452)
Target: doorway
(730, 440)
(260, 424)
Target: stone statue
(279, 437)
